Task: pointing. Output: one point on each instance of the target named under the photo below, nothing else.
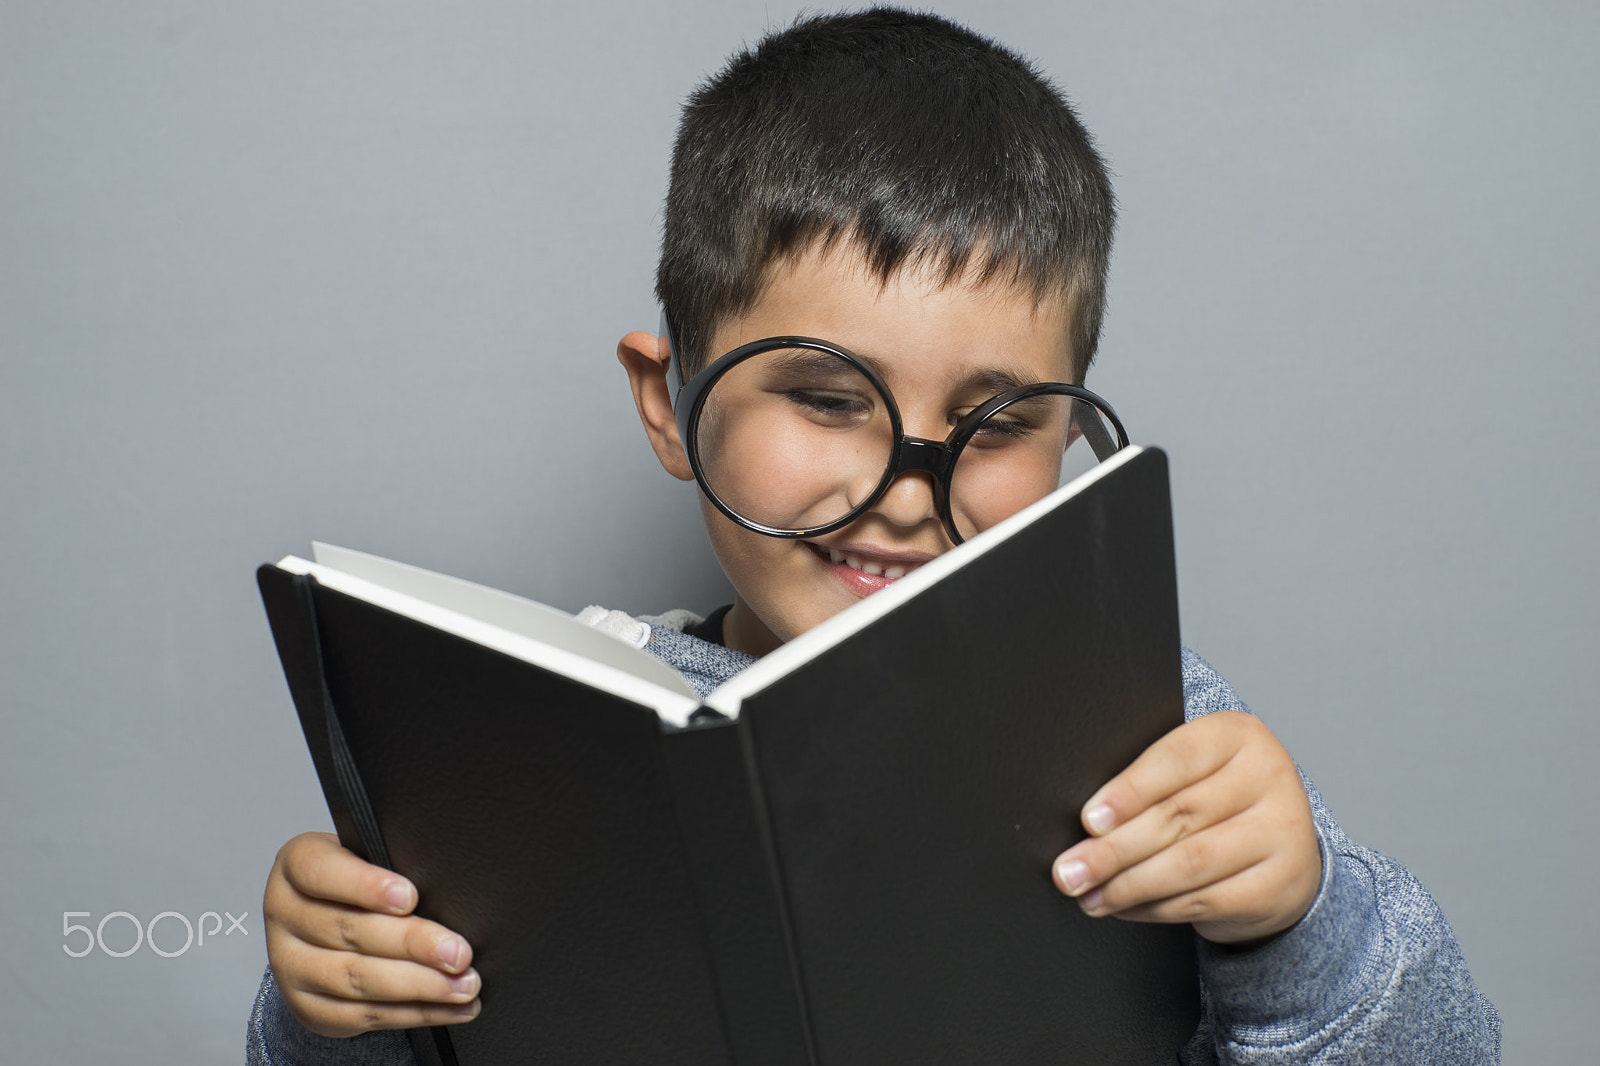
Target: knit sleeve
(276, 1038)
(1372, 973)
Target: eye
(1024, 419)
(1001, 429)
(830, 406)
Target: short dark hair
(918, 141)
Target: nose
(909, 499)
(911, 496)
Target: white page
(518, 614)
(510, 624)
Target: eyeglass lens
(1022, 453)
(796, 439)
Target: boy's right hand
(347, 953)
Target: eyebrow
(991, 380)
(994, 380)
(805, 360)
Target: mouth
(863, 570)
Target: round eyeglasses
(797, 437)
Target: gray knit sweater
(1371, 974)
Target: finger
(342, 928)
(1187, 754)
(319, 867)
(1181, 815)
(1194, 863)
(349, 975)
(1233, 910)
(330, 1016)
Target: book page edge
(672, 707)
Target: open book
(840, 856)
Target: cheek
(780, 580)
(739, 550)
(985, 493)
(785, 474)
(758, 567)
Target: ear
(646, 359)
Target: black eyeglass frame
(909, 454)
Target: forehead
(915, 326)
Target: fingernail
(451, 950)
(399, 895)
(1073, 874)
(1091, 902)
(468, 1011)
(1098, 818)
(465, 984)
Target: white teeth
(855, 562)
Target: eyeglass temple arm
(675, 378)
(1094, 431)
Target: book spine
(292, 616)
(732, 866)
(290, 602)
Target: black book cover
(853, 870)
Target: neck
(743, 631)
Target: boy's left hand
(1210, 825)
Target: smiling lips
(864, 571)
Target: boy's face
(931, 342)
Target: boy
(910, 192)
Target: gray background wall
(344, 270)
